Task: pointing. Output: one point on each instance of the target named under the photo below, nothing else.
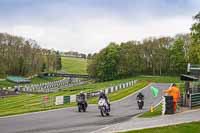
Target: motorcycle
(140, 103)
(103, 107)
(82, 105)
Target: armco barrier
(69, 99)
(194, 100)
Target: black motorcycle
(82, 105)
(140, 103)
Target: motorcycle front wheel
(101, 111)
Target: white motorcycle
(104, 107)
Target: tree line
(19, 56)
(154, 56)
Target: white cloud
(28, 31)
(90, 33)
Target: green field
(74, 65)
(24, 103)
(6, 83)
(193, 127)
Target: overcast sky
(89, 25)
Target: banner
(73, 98)
(66, 99)
(59, 100)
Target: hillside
(74, 65)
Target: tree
(105, 63)
(58, 61)
(177, 57)
(194, 49)
(19, 56)
(128, 63)
(43, 67)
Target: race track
(69, 120)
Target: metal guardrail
(194, 100)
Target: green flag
(154, 91)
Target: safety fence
(50, 86)
(194, 100)
(72, 98)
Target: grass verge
(157, 111)
(192, 127)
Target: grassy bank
(160, 79)
(157, 111)
(6, 83)
(74, 65)
(181, 128)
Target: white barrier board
(72, 98)
(59, 100)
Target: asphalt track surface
(69, 120)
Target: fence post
(190, 101)
(163, 105)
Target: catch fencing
(50, 86)
(72, 98)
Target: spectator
(16, 90)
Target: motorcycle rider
(82, 97)
(103, 96)
(140, 96)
